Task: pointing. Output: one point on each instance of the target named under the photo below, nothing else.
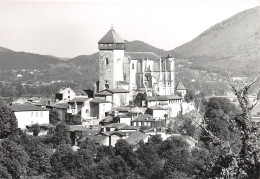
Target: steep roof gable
(111, 37)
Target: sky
(68, 28)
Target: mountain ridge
(232, 44)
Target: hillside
(133, 46)
(233, 44)
(2, 49)
(139, 46)
(22, 60)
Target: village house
(65, 94)
(27, 115)
(99, 107)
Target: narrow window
(31, 114)
(106, 61)
(86, 110)
(133, 66)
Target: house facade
(28, 115)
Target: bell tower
(111, 53)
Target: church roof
(142, 55)
(111, 37)
(180, 86)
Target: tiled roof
(180, 86)
(143, 117)
(61, 105)
(137, 110)
(116, 125)
(41, 103)
(116, 90)
(162, 98)
(25, 107)
(157, 108)
(172, 97)
(80, 92)
(127, 127)
(99, 100)
(121, 109)
(111, 37)
(78, 128)
(107, 119)
(113, 132)
(142, 55)
(79, 99)
(103, 93)
(135, 137)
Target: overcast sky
(68, 28)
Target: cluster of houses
(105, 118)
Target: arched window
(106, 86)
(106, 61)
(133, 66)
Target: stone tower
(111, 53)
(170, 61)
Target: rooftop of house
(113, 133)
(103, 93)
(78, 128)
(80, 92)
(120, 126)
(137, 110)
(41, 103)
(143, 117)
(99, 100)
(162, 98)
(26, 107)
(111, 37)
(62, 90)
(180, 86)
(107, 119)
(116, 90)
(135, 137)
(79, 99)
(142, 55)
(60, 105)
(157, 108)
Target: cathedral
(135, 72)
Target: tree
(13, 158)
(189, 96)
(54, 117)
(187, 128)
(139, 98)
(151, 165)
(62, 162)
(39, 163)
(61, 135)
(8, 122)
(230, 162)
(35, 129)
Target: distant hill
(22, 60)
(233, 44)
(5, 50)
(133, 46)
(139, 46)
